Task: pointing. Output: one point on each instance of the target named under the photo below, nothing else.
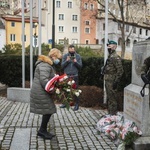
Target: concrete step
(142, 143)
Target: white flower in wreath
(79, 91)
(68, 90)
(69, 83)
(57, 91)
(65, 77)
(77, 94)
(73, 81)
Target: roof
(18, 18)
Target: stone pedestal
(136, 107)
(18, 94)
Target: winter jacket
(70, 67)
(40, 100)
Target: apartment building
(88, 22)
(67, 21)
(75, 20)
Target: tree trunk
(123, 47)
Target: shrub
(11, 71)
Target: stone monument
(136, 107)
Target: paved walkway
(74, 130)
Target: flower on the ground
(117, 128)
(65, 89)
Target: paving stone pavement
(73, 130)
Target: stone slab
(21, 139)
(18, 94)
(136, 107)
(142, 143)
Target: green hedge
(11, 71)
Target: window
(74, 41)
(44, 4)
(87, 30)
(135, 41)
(140, 31)
(61, 16)
(85, 6)
(75, 17)
(119, 14)
(114, 12)
(74, 29)
(134, 29)
(146, 32)
(127, 28)
(103, 26)
(13, 24)
(128, 43)
(58, 4)
(119, 26)
(25, 38)
(69, 4)
(91, 7)
(12, 37)
(61, 29)
(87, 42)
(61, 41)
(119, 41)
(87, 22)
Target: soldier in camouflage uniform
(145, 74)
(113, 71)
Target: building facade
(88, 22)
(2, 34)
(13, 29)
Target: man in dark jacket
(40, 100)
(113, 71)
(71, 63)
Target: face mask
(109, 50)
(72, 53)
(56, 61)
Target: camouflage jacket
(146, 65)
(113, 69)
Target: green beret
(112, 42)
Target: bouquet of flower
(65, 89)
(120, 130)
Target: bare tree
(9, 6)
(128, 11)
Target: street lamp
(53, 26)
(35, 36)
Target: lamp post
(53, 26)
(47, 27)
(35, 38)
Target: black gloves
(114, 86)
(101, 77)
